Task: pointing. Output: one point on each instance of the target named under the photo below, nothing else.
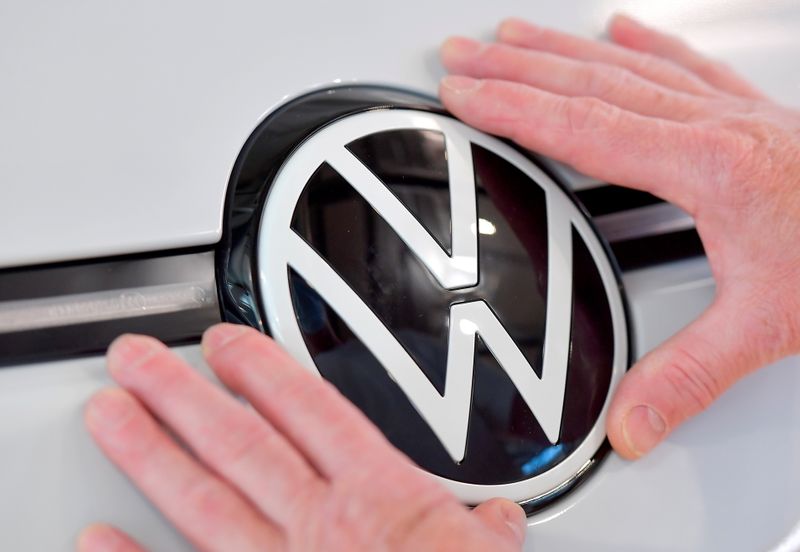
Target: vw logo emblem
(451, 289)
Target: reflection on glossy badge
(441, 280)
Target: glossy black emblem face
(398, 311)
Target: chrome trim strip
(82, 308)
(58, 298)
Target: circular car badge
(439, 278)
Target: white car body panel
(120, 122)
(727, 480)
(119, 125)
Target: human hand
(303, 470)
(650, 113)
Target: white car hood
(120, 122)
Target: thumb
(505, 518)
(686, 374)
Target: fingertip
(449, 44)
(622, 20)
(631, 438)
(632, 33)
(504, 517)
(219, 335)
(634, 425)
(130, 349)
(457, 50)
(513, 29)
(101, 537)
(643, 428)
(227, 347)
(616, 413)
(107, 410)
(516, 519)
(455, 86)
(621, 447)
(456, 93)
(95, 538)
(624, 29)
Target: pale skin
(643, 111)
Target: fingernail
(459, 85)
(516, 29)
(108, 410)
(516, 519)
(129, 350)
(643, 428)
(217, 336)
(460, 47)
